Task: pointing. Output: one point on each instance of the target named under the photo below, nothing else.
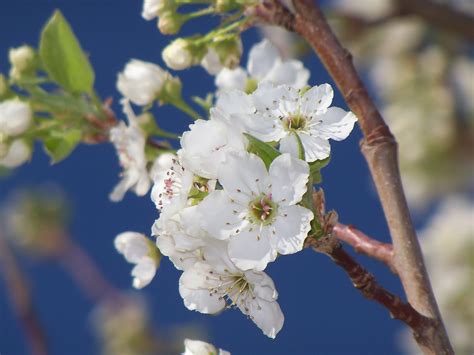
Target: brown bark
(380, 150)
(365, 244)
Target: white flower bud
(18, 153)
(211, 62)
(21, 59)
(15, 117)
(141, 82)
(177, 55)
(154, 8)
(170, 22)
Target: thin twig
(380, 150)
(20, 297)
(366, 283)
(364, 244)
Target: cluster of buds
(23, 62)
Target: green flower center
(250, 86)
(295, 123)
(263, 209)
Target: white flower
(198, 347)
(207, 144)
(177, 55)
(141, 82)
(264, 64)
(171, 189)
(283, 113)
(210, 287)
(15, 117)
(129, 141)
(138, 250)
(257, 209)
(161, 165)
(16, 154)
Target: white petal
(220, 216)
(291, 228)
(315, 148)
(133, 246)
(197, 347)
(18, 153)
(251, 250)
(228, 79)
(266, 315)
(289, 145)
(336, 124)
(243, 177)
(143, 272)
(289, 101)
(262, 58)
(263, 286)
(194, 289)
(267, 96)
(15, 117)
(316, 99)
(291, 73)
(235, 102)
(288, 177)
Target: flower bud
(18, 153)
(154, 8)
(22, 60)
(15, 117)
(229, 51)
(211, 62)
(170, 22)
(177, 55)
(141, 82)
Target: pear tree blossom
(138, 250)
(264, 64)
(198, 347)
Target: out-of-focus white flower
(198, 347)
(141, 82)
(285, 41)
(21, 59)
(264, 64)
(177, 55)
(462, 75)
(129, 141)
(138, 250)
(257, 209)
(17, 153)
(211, 62)
(151, 8)
(367, 9)
(15, 117)
(209, 287)
(171, 189)
(282, 113)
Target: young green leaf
(63, 57)
(315, 169)
(59, 145)
(264, 150)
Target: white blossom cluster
(226, 213)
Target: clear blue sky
(324, 313)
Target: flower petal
(291, 73)
(316, 99)
(288, 177)
(266, 315)
(220, 216)
(291, 228)
(228, 79)
(336, 124)
(262, 58)
(315, 148)
(251, 250)
(143, 272)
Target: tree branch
(20, 297)
(366, 283)
(440, 15)
(365, 244)
(380, 150)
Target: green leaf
(264, 150)
(63, 57)
(315, 169)
(59, 145)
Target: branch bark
(365, 244)
(366, 283)
(20, 297)
(380, 151)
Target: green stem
(203, 12)
(180, 104)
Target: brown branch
(365, 244)
(380, 150)
(20, 297)
(366, 283)
(440, 15)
